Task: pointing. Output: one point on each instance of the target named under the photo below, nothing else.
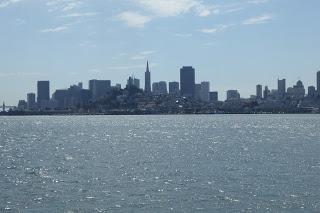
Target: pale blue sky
(234, 44)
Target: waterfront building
(74, 97)
(297, 91)
(159, 88)
(205, 90)
(99, 88)
(259, 92)
(43, 89)
(282, 88)
(274, 94)
(311, 91)
(266, 92)
(174, 88)
(197, 91)
(31, 101)
(187, 81)
(233, 95)
(318, 82)
(22, 105)
(60, 97)
(213, 96)
(147, 80)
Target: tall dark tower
(43, 88)
(187, 81)
(147, 80)
(318, 82)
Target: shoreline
(27, 114)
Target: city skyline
(187, 75)
(233, 45)
(186, 87)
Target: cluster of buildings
(77, 97)
(296, 92)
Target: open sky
(234, 44)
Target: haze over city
(234, 45)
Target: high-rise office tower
(99, 88)
(147, 80)
(43, 98)
(318, 82)
(266, 92)
(259, 91)
(31, 101)
(213, 96)
(282, 88)
(204, 91)
(174, 88)
(159, 88)
(311, 91)
(197, 91)
(233, 95)
(136, 83)
(187, 81)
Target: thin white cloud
(54, 30)
(63, 5)
(133, 19)
(148, 52)
(138, 57)
(232, 10)
(77, 15)
(166, 8)
(258, 19)
(71, 5)
(143, 55)
(215, 30)
(257, 1)
(7, 3)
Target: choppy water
(218, 163)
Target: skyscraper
(318, 82)
(233, 95)
(174, 88)
(204, 91)
(136, 83)
(187, 81)
(282, 88)
(266, 92)
(197, 91)
(297, 91)
(99, 88)
(31, 101)
(43, 98)
(311, 91)
(213, 96)
(147, 78)
(259, 91)
(159, 88)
